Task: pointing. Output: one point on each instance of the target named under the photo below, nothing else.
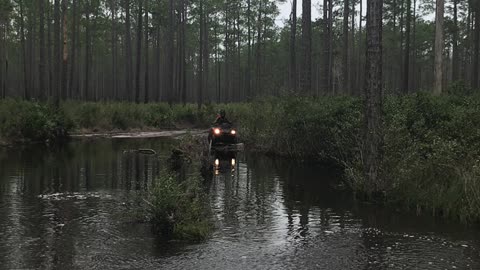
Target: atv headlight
(233, 132)
(217, 131)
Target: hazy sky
(286, 9)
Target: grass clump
(179, 209)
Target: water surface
(76, 206)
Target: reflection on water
(70, 208)
(102, 165)
(224, 162)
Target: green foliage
(31, 121)
(178, 209)
(6, 8)
(431, 153)
(125, 116)
(432, 144)
(325, 128)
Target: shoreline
(137, 134)
(114, 134)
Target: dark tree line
(225, 51)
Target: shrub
(31, 121)
(179, 209)
(431, 148)
(310, 128)
(432, 144)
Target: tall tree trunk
(6, 80)
(258, 50)
(5, 64)
(2, 51)
(158, 65)
(351, 72)
(217, 66)
(293, 48)
(476, 51)
(406, 64)
(87, 90)
(439, 46)
(401, 44)
(239, 61)
(307, 47)
(330, 46)
(200, 59)
(345, 66)
(73, 68)
(170, 52)
(413, 78)
(139, 51)
(455, 53)
(128, 52)
(468, 51)
(113, 9)
(57, 53)
(33, 61)
(147, 58)
(372, 151)
(358, 80)
(51, 62)
(183, 58)
(65, 51)
(249, 60)
(206, 54)
(325, 38)
(26, 93)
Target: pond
(74, 207)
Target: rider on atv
(221, 119)
(222, 131)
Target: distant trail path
(140, 134)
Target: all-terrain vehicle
(222, 135)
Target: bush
(32, 121)
(326, 128)
(178, 209)
(126, 116)
(432, 144)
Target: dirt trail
(140, 134)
